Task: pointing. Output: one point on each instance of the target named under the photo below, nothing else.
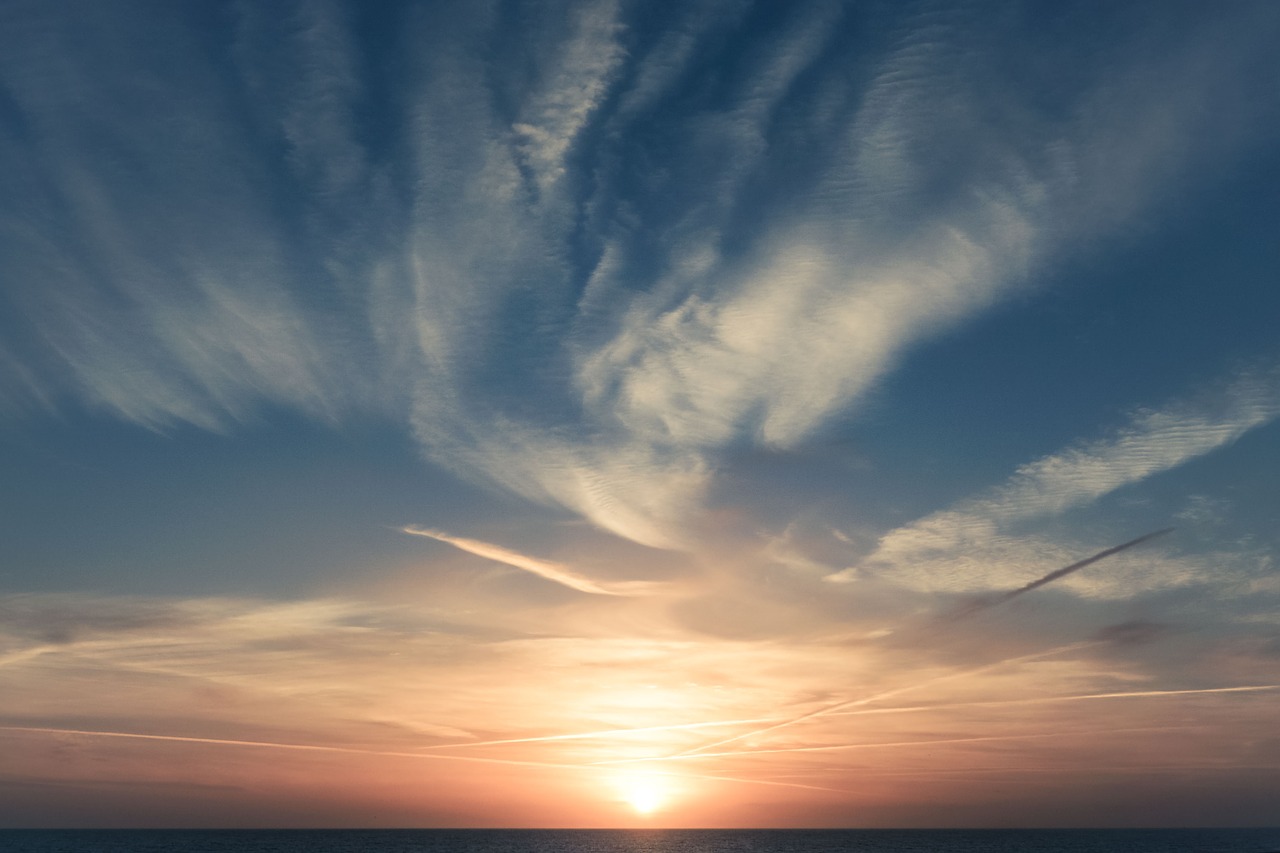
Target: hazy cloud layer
(246, 692)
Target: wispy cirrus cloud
(969, 543)
(582, 267)
(548, 569)
(582, 68)
(769, 344)
(165, 291)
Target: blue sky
(456, 373)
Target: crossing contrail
(850, 703)
(1047, 700)
(842, 747)
(968, 610)
(602, 733)
(298, 747)
(347, 750)
(900, 709)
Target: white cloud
(585, 63)
(972, 546)
(547, 569)
(582, 272)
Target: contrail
(1093, 769)
(830, 709)
(346, 750)
(757, 782)
(985, 603)
(841, 747)
(968, 610)
(300, 747)
(908, 709)
(1046, 700)
(602, 733)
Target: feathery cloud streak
(581, 267)
(976, 530)
(548, 569)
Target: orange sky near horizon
(404, 727)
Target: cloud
(547, 569)
(584, 65)
(681, 350)
(583, 267)
(973, 544)
(165, 291)
(360, 674)
(995, 600)
(365, 687)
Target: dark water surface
(641, 841)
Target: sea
(640, 841)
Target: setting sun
(645, 794)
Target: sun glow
(645, 794)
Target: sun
(645, 794)
(645, 799)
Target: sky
(580, 413)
